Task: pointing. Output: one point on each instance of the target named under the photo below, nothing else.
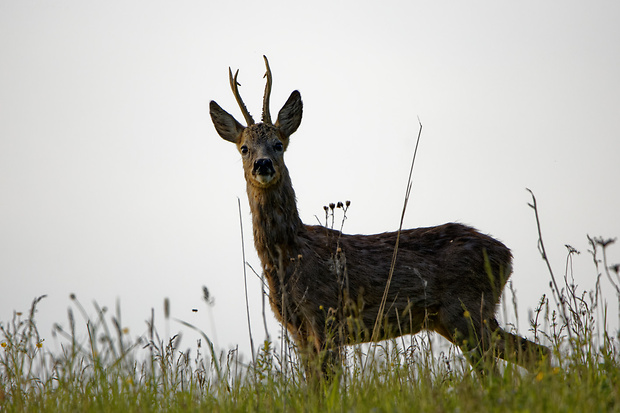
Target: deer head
(261, 145)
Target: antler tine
(234, 85)
(266, 114)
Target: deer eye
(278, 147)
(244, 150)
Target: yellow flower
(3, 344)
(40, 344)
(126, 330)
(466, 314)
(539, 376)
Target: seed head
(166, 307)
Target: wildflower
(466, 314)
(3, 344)
(320, 307)
(126, 330)
(540, 376)
(40, 344)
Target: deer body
(447, 278)
(436, 277)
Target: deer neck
(276, 222)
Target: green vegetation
(109, 371)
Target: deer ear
(289, 116)
(225, 124)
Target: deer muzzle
(263, 170)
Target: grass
(110, 371)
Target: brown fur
(327, 287)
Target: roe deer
(447, 278)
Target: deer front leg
(320, 357)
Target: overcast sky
(114, 184)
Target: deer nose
(264, 166)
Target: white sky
(115, 185)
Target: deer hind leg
(472, 335)
(483, 340)
(519, 350)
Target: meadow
(108, 370)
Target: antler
(235, 89)
(266, 115)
